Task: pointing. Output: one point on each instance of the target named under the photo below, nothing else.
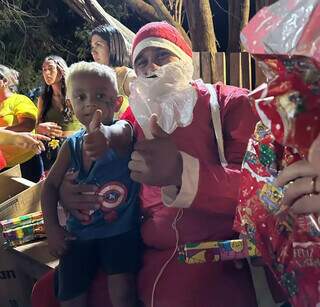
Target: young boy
(112, 233)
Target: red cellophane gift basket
(285, 40)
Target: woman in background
(55, 117)
(19, 114)
(108, 47)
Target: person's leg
(122, 290)
(79, 301)
(120, 268)
(43, 292)
(75, 273)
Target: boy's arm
(100, 138)
(50, 191)
(120, 136)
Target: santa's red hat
(162, 35)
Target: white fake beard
(166, 92)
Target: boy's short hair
(83, 67)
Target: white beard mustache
(166, 92)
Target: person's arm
(40, 109)
(25, 124)
(211, 187)
(25, 140)
(120, 135)
(50, 192)
(50, 129)
(100, 138)
(49, 202)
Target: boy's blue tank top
(119, 192)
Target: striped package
(23, 229)
(213, 251)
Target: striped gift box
(213, 251)
(23, 229)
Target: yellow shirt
(124, 74)
(11, 109)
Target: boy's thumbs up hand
(96, 121)
(95, 143)
(156, 161)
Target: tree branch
(80, 8)
(92, 11)
(143, 9)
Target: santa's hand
(95, 143)
(78, 199)
(156, 161)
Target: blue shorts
(78, 267)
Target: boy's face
(91, 92)
(151, 58)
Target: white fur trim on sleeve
(171, 197)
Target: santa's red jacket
(207, 199)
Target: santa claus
(187, 194)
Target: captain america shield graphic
(113, 194)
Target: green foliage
(82, 36)
(28, 33)
(117, 9)
(30, 30)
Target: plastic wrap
(289, 28)
(285, 39)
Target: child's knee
(122, 291)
